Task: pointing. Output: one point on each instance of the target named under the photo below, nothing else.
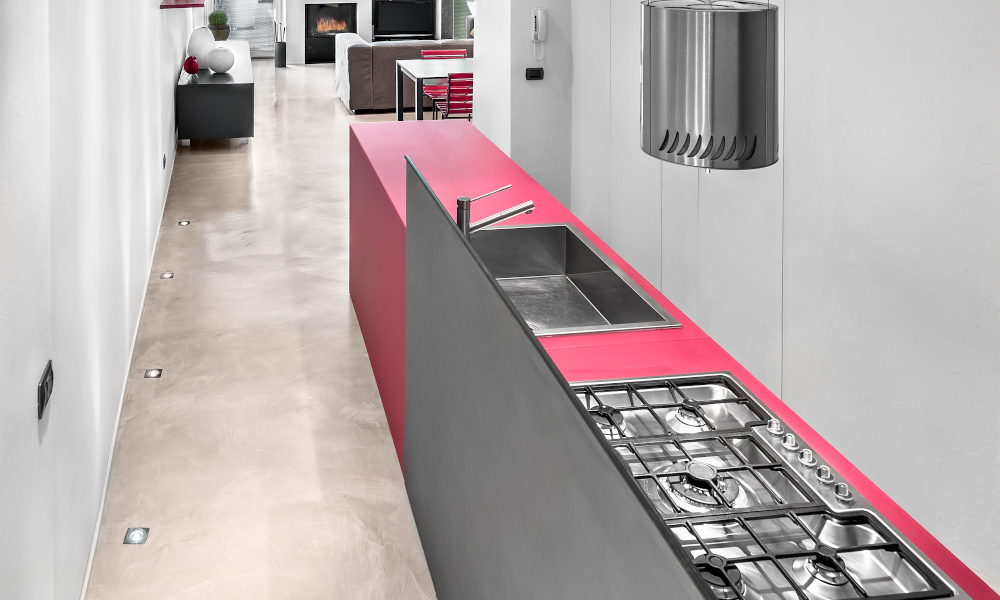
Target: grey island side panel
(217, 105)
(514, 494)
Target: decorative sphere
(200, 44)
(220, 60)
(191, 65)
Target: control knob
(806, 457)
(843, 492)
(789, 442)
(774, 427)
(824, 475)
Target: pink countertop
(457, 160)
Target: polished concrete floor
(261, 460)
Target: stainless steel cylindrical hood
(709, 83)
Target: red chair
(458, 101)
(444, 53)
(437, 89)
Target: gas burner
(610, 420)
(690, 417)
(822, 576)
(826, 566)
(725, 579)
(690, 485)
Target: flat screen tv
(394, 17)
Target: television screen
(404, 17)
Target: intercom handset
(538, 24)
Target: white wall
(25, 337)
(857, 277)
(892, 258)
(590, 125)
(491, 92)
(539, 135)
(711, 242)
(86, 112)
(108, 138)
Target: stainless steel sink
(561, 283)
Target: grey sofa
(366, 72)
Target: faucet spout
(464, 211)
(513, 211)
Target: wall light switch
(45, 388)
(534, 74)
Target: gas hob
(760, 515)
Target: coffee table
(421, 69)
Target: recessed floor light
(153, 373)
(136, 535)
(183, 223)
(166, 275)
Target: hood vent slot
(709, 83)
(747, 148)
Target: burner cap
(700, 473)
(827, 557)
(607, 417)
(606, 411)
(612, 414)
(693, 406)
(717, 571)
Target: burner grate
(731, 473)
(809, 554)
(663, 428)
(664, 407)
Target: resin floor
(261, 459)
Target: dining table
(422, 69)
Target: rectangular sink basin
(561, 283)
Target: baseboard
(128, 367)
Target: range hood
(709, 83)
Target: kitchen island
(455, 159)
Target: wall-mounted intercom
(538, 24)
(538, 27)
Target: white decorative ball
(220, 60)
(200, 44)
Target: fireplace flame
(330, 25)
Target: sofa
(366, 71)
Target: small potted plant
(218, 22)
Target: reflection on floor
(260, 460)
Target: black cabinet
(217, 105)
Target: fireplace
(323, 23)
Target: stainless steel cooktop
(759, 513)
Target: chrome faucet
(465, 209)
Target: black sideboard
(217, 105)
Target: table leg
(399, 92)
(418, 104)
